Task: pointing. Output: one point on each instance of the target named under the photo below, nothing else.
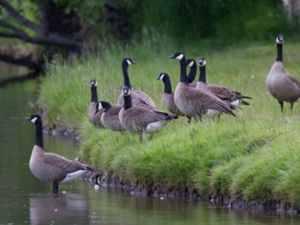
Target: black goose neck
(183, 78)
(39, 133)
(127, 102)
(192, 74)
(279, 53)
(202, 76)
(94, 96)
(125, 74)
(167, 84)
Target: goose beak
(27, 118)
(158, 78)
(172, 56)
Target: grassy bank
(256, 154)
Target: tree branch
(41, 38)
(19, 18)
(26, 61)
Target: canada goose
(168, 96)
(281, 85)
(137, 119)
(139, 98)
(50, 167)
(110, 116)
(194, 102)
(234, 98)
(94, 117)
(193, 71)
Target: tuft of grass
(256, 154)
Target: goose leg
(141, 137)
(54, 187)
(281, 105)
(189, 119)
(292, 106)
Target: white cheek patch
(33, 120)
(100, 106)
(179, 57)
(278, 41)
(162, 76)
(202, 63)
(191, 64)
(128, 62)
(96, 83)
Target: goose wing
(141, 117)
(294, 80)
(139, 98)
(143, 97)
(205, 101)
(61, 166)
(224, 93)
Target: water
(26, 200)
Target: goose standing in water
(94, 115)
(193, 102)
(281, 85)
(234, 98)
(51, 167)
(139, 98)
(138, 119)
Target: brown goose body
(138, 120)
(196, 103)
(232, 97)
(139, 98)
(94, 115)
(110, 118)
(281, 85)
(168, 95)
(50, 167)
(224, 93)
(169, 103)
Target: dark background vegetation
(69, 26)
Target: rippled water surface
(26, 200)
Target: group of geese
(136, 112)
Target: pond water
(26, 200)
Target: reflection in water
(59, 209)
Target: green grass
(256, 154)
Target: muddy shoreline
(112, 181)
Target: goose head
(190, 62)
(162, 76)
(127, 62)
(202, 62)
(177, 55)
(102, 105)
(279, 39)
(34, 118)
(93, 83)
